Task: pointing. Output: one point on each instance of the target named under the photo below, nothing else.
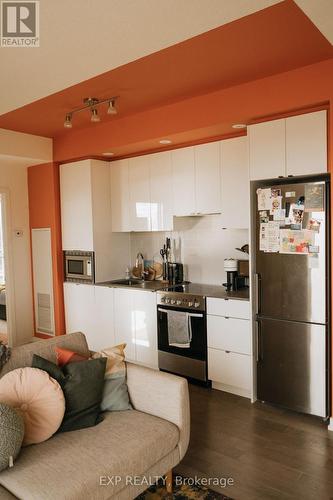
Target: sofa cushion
(38, 398)
(70, 465)
(82, 384)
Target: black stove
(187, 296)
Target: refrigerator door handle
(258, 342)
(257, 279)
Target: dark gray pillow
(83, 385)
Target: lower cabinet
(89, 309)
(135, 324)
(229, 345)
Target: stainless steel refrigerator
(291, 250)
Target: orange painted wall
(44, 211)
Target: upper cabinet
(207, 178)
(290, 146)
(267, 147)
(161, 200)
(120, 206)
(139, 193)
(306, 144)
(235, 183)
(183, 178)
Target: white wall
(200, 244)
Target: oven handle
(192, 315)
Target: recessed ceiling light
(165, 141)
(108, 153)
(239, 125)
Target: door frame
(9, 267)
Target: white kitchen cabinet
(161, 199)
(124, 322)
(228, 308)
(135, 324)
(229, 334)
(306, 143)
(267, 148)
(86, 213)
(207, 178)
(231, 370)
(235, 183)
(89, 309)
(139, 193)
(120, 201)
(145, 327)
(76, 206)
(183, 173)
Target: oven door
(186, 361)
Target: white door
(183, 178)
(76, 206)
(104, 319)
(231, 369)
(120, 202)
(80, 309)
(139, 191)
(145, 327)
(124, 321)
(267, 148)
(235, 183)
(306, 143)
(161, 192)
(207, 175)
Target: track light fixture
(91, 104)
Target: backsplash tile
(199, 243)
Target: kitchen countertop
(213, 291)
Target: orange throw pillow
(64, 356)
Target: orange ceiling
(274, 40)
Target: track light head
(68, 121)
(112, 110)
(94, 115)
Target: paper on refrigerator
(264, 199)
(297, 242)
(269, 237)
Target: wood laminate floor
(270, 453)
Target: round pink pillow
(39, 399)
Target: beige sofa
(113, 459)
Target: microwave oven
(79, 266)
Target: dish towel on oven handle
(180, 328)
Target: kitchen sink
(128, 282)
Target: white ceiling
(81, 39)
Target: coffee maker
(231, 268)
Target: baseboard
(232, 390)
(330, 425)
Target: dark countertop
(213, 291)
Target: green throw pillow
(83, 385)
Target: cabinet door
(161, 198)
(76, 206)
(183, 178)
(230, 369)
(229, 334)
(120, 202)
(228, 308)
(80, 309)
(124, 320)
(103, 320)
(267, 149)
(145, 327)
(139, 191)
(306, 144)
(208, 180)
(235, 183)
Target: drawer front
(229, 334)
(229, 368)
(229, 307)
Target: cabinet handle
(226, 317)
(228, 352)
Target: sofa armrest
(162, 395)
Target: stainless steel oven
(79, 266)
(182, 334)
